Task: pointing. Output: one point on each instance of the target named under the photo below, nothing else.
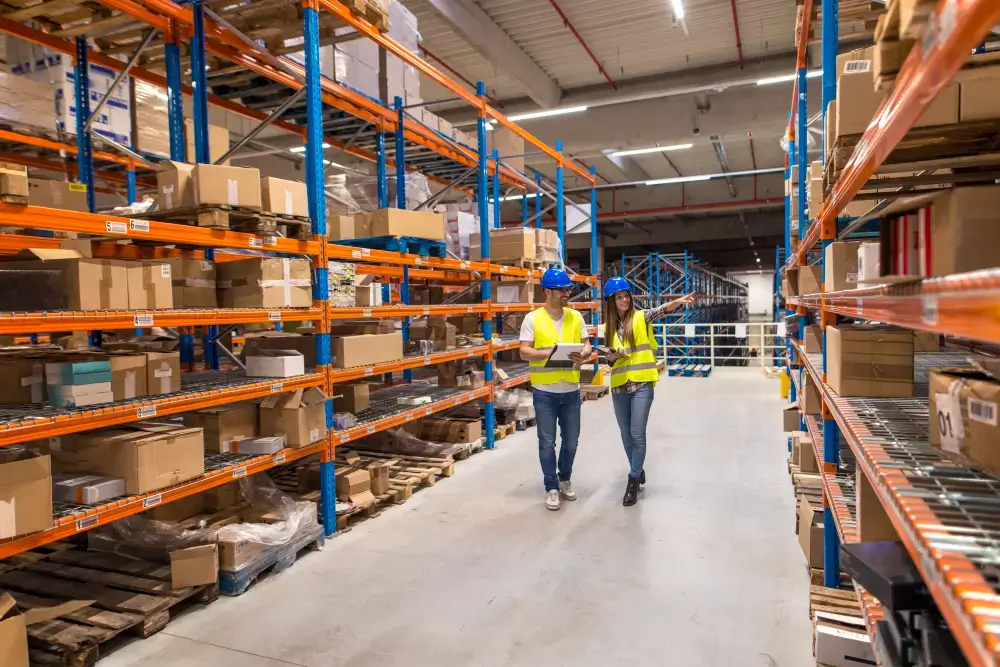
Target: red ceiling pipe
(736, 24)
(457, 75)
(566, 22)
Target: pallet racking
(330, 115)
(933, 504)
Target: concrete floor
(704, 571)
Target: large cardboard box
(149, 285)
(514, 292)
(811, 533)
(57, 279)
(24, 377)
(163, 372)
(194, 566)
(128, 376)
(980, 94)
(284, 197)
(397, 222)
(148, 458)
(352, 398)
(926, 341)
(867, 360)
(175, 185)
(435, 329)
(265, 283)
(963, 415)
(57, 194)
(791, 418)
(840, 266)
(466, 324)
(220, 185)
(518, 243)
(13, 180)
(224, 424)
(237, 552)
(14, 626)
(449, 429)
(355, 485)
(340, 227)
(838, 645)
(299, 416)
(964, 233)
(813, 338)
(193, 282)
(365, 350)
(218, 140)
(25, 493)
(809, 278)
(810, 401)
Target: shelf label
(86, 522)
(279, 458)
(468, 309)
(369, 372)
(365, 252)
(274, 316)
(458, 400)
(240, 472)
(256, 242)
(464, 265)
(409, 416)
(366, 312)
(345, 437)
(861, 306)
(427, 311)
(146, 411)
(470, 354)
(116, 227)
(418, 261)
(276, 388)
(503, 269)
(428, 411)
(139, 225)
(152, 501)
(370, 430)
(427, 361)
(929, 309)
(355, 253)
(143, 320)
(271, 240)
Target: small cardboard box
(436, 329)
(220, 185)
(265, 283)
(224, 424)
(866, 360)
(284, 197)
(86, 489)
(59, 279)
(379, 472)
(813, 337)
(352, 398)
(13, 180)
(810, 402)
(809, 278)
(25, 379)
(275, 364)
(149, 285)
(25, 493)
(841, 266)
(57, 194)
(194, 566)
(175, 185)
(515, 292)
(811, 534)
(926, 341)
(340, 227)
(437, 429)
(397, 222)
(299, 416)
(839, 646)
(178, 510)
(237, 552)
(369, 295)
(366, 350)
(355, 485)
(791, 418)
(128, 376)
(963, 415)
(163, 372)
(220, 497)
(271, 444)
(193, 282)
(807, 455)
(14, 626)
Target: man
(555, 391)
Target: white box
(86, 489)
(276, 364)
(266, 445)
(838, 647)
(868, 262)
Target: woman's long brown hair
(611, 320)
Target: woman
(629, 333)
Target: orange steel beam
(128, 319)
(50, 165)
(348, 374)
(406, 311)
(918, 84)
(39, 142)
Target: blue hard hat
(556, 279)
(615, 285)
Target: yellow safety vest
(546, 338)
(640, 364)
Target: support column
(560, 205)
(830, 36)
(84, 146)
(400, 157)
(538, 200)
(595, 315)
(175, 99)
(199, 85)
(496, 189)
(482, 197)
(383, 194)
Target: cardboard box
(265, 283)
(298, 416)
(791, 418)
(128, 376)
(451, 429)
(379, 475)
(435, 329)
(813, 338)
(365, 350)
(57, 194)
(175, 185)
(840, 266)
(178, 510)
(451, 376)
(518, 243)
(284, 197)
(194, 566)
(866, 360)
(963, 415)
(807, 455)
(25, 493)
(979, 98)
(426, 295)
(352, 398)
(237, 552)
(340, 227)
(355, 485)
(220, 497)
(193, 282)
(369, 295)
(466, 324)
(148, 458)
(220, 185)
(926, 341)
(810, 402)
(271, 444)
(13, 180)
(24, 379)
(839, 646)
(257, 342)
(14, 626)
(149, 285)
(888, 57)
(963, 229)
(86, 489)
(912, 18)
(275, 364)
(163, 372)
(811, 533)
(868, 262)
(515, 292)
(547, 247)
(58, 279)
(809, 278)
(224, 424)
(397, 222)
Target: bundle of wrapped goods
(27, 103)
(459, 225)
(357, 193)
(340, 285)
(153, 128)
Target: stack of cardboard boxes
(518, 244)
(387, 222)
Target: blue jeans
(550, 408)
(632, 413)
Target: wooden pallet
(237, 219)
(274, 559)
(690, 370)
(501, 431)
(593, 392)
(403, 244)
(131, 596)
(14, 200)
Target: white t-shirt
(528, 336)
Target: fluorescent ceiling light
(545, 114)
(788, 78)
(678, 9)
(682, 179)
(302, 149)
(706, 177)
(508, 198)
(654, 149)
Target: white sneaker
(552, 500)
(566, 490)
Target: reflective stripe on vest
(546, 337)
(640, 364)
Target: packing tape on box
(8, 523)
(14, 172)
(129, 384)
(233, 191)
(168, 196)
(35, 382)
(201, 282)
(106, 284)
(289, 203)
(165, 373)
(286, 281)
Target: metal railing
(722, 344)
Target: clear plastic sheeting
(27, 104)
(511, 399)
(151, 119)
(147, 539)
(399, 441)
(358, 193)
(288, 516)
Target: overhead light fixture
(302, 149)
(788, 78)
(678, 9)
(654, 149)
(758, 260)
(508, 198)
(706, 177)
(682, 179)
(545, 114)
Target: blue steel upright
(199, 85)
(496, 189)
(400, 156)
(133, 133)
(802, 145)
(175, 100)
(84, 145)
(596, 314)
(317, 211)
(383, 189)
(538, 199)
(560, 206)
(482, 197)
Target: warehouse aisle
(704, 571)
